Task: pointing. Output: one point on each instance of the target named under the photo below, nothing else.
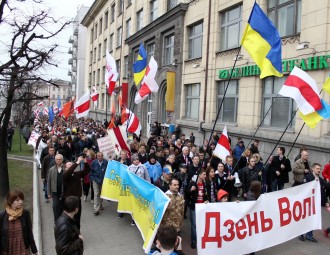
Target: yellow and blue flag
(326, 85)
(140, 65)
(313, 118)
(263, 42)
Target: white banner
(239, 228)
(33, 138)
(106, 147)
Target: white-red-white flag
(148, 84)
(36, 113)
(45, 111)
(95, 96)
(303, 89)
(111, 73)
(40, 103)
(55, 108)
(118, 137)
(82, 106)
(222, 150)
(133, 123)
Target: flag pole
(295, 140)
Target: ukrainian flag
(326, 85)
(313, 118)
(140, 66)
(262, 41)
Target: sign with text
(239, 228)
(106, 147)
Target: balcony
(75, 31)
(74, 69)
(70, 51)
(69, 73)
(70, 39)
(75, 44)
(70, 61)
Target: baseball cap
(183, 166)
(167, 169)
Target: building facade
(200, 41)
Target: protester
(300, 168)
(249, 174)
(87, 183)
(16, 236)
(47, 163)
(211, 185)
(164, 180)
(222, 196)
(154, 168)
(220, 176)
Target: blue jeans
(277, 185)
(193, 226)
(309, 235)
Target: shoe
(120, 215)
(96, 213)
(193, 246)
(133, 223)
(326, 233)
(85, 198)
(312, 239)
(92, 201)
(302, 238)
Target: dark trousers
(77, 217)
(45, 189)
(86, 187)
(57, 205)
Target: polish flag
(82, 106)
(45, 111)
(40, 103)
(111, 74)
(148, 84)
(222, 150)
(303, 89)
(95, 96)
(118, 138)
(133, 123)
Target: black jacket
(276, 166)
(67, 241)
(193, 195)
(26, 227)
(310, 177)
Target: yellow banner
(170, 92)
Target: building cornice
(93, 11)
(176, 11)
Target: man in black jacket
(279, 170)
(68, 239)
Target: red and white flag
(118, 138)
(40, 103)
(133, 123)
(111, 74)
(303, 89)
(222, 150)
(36, 113)
(82, 106)
(95, 96)
(148, 84)
(45, 111)
(55, 109)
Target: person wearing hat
(239, 149)
(154, 168)
(222, 196)
(163, 181)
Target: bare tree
(27, 55)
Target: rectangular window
(168, 49)
(98, 76)
(90, 57)
(125, 66)
(120, 7)
(286, 16)
(150, 50)
(92, 34)
(95, 31)
(103, 74)
(153, 10)
(118, 67)
(231, 28)
(94, 78)
(192, 101)
(119, 32)
(90, 79)
(101, 24)
(195, 41)
(282, 109)
(112, 17)
(229, 107)
(106, 19)
(171, 4)
(99, 54)
(139, 20)
(105, 45)
(103, 101)
(111, 43)
(94, 57)
(128, 28)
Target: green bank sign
(311, 63)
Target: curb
(36, 208)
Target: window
(112, 17)
(93, 78)
(106, 19)
(229, 107)
(120, 7)
(282, 109)
(153, 10)
(101, 23)
(129, 2)
(95, 31)
(92, 34)
(192, 101)
(94, 55)
(128, 28)
(98, 76)
(119, 31)
(118, 67)
(231, 28)
(139, 20)
(99, 54)
(103, 74)
(168, 49)
(150, 50)
(171, 4)
(111, 43)
(105, 47)
(90, 79)
(103, 101)
(125, 66)
(286, 15)
(195, 41)
(90, 57)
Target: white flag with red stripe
(133, 123)
(118, 137)
(82, 106)
(111, 73)
(36, 113)
(95, 96)
(222, 150)
(303, 89)
(40, 103)
(148, 84)
(45, 111)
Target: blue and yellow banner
(263, 42)
(145, 202)
(140, 65)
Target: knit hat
(221, 194)
(167, 169)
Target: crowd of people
(73, 168)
